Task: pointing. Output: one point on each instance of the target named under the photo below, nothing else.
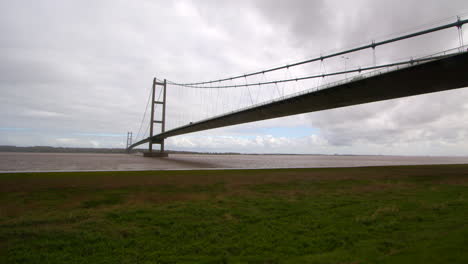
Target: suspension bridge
(264, 94)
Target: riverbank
(398, 214)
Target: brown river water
(14, 161)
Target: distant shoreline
(48, 149)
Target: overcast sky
(78, 73)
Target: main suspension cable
(317, 75)
(144, 115)
(457, 23)
(147, 126)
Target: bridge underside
(433, 76)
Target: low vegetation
(402, 214)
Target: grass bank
(403, 214)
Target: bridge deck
(429, 77)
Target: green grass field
(404, 214)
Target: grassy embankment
(410, 214)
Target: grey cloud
(299, 21)
(86, 66)
(350, 23)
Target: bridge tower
(153, 119)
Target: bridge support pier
(161, 153)
(155, 154)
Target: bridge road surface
(433, 76)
